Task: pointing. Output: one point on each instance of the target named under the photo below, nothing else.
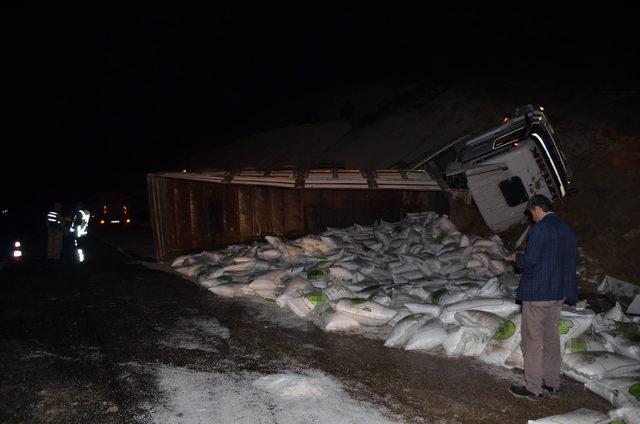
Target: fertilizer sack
(500, 307)
(622, 345)
(483, 322)
(586, 343)
(504, 342)
(573, 324)
(620, 392)
(580, 416)
(403, 331)
(304, 305)
(464, 342)
(366, 312)
(294, 288)
(228, 290)
(331, 320)
(424, 308)
(590, 366)
(429, 336)
(630, 415)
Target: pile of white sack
(429, 287)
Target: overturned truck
(498, 169)
(503, 166)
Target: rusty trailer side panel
(191, 215)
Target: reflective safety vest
(80, 222)
(53, 217)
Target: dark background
(92, 100)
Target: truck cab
(505, 165)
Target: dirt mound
(605, 213)
(383, 135)
(297, 146)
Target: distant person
(80, 222)
(548, 279)
(55, 230)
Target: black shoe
(522, 392)
(553, 392)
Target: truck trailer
(497, 169)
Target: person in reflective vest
(80, 222)
(55, 231)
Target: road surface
(109, 340)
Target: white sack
(209, 283)
(302, 306)
(207, 273)
(269, 280)
(314, 246)
(501, 307)
(616, 314)
(228, 290)
(490, 290)
(630, 414)
(424, 308)
(580, 416)
(269, 255)
(339, 291)
(296, 287)
(504, 342)
(428, 336)
(622, 345)
(620, 392)
(192, 270)
(318, 277)
(402, 312)
(366, 312)
(445, 229)
(573, 324)
(464, 342)
(179, 261)
(382, 299)
(485, 323)
(402, 331)
(601, 325)
(243, 268)
(590, 366)
(454, 296)
(332, 320)
(516, 359)
(586, 343)
(217, 257)
(361, 285)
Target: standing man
(79, 228)
(548, 279)
(80, 222)
(55, 230)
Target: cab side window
(513, 191)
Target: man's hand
(511, 257)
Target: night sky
(95, 99)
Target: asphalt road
(110, 340)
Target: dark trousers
(54, 243)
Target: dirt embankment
(606, 212)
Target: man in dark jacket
(548, 280)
